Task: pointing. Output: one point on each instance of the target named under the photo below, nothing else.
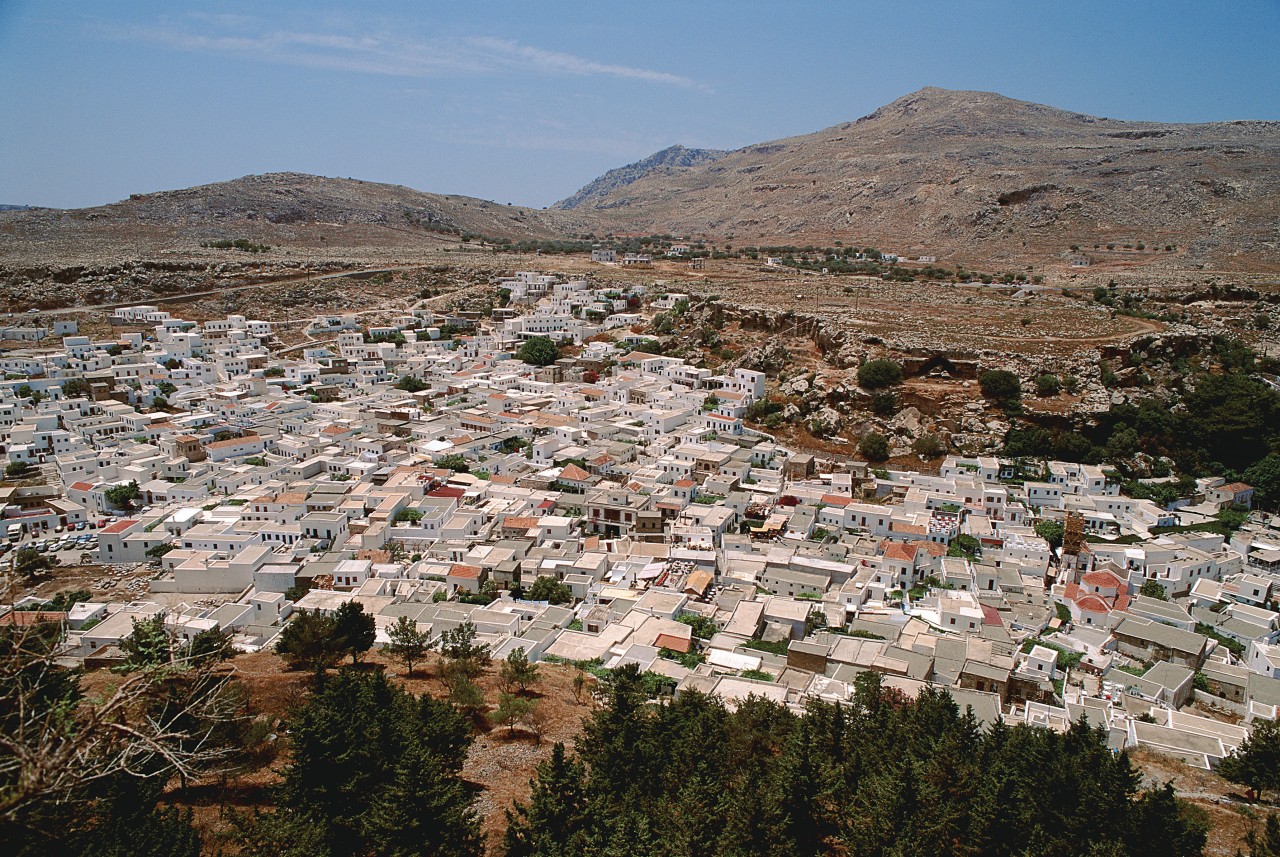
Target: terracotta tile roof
(1105, 579)
(32, 617)
(900, 551)
(836, 500)
(672, 642)
(574, 473)
(82, 486)
(447, 491)
(1092, 604)
(469, 572)
(230, 442)
(118, 527)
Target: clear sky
(526, 101)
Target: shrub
(538, 351)
(874, 447)
(929, 446)
(1000, 385)
(875, 374)
(1048, 385)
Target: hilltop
(273, 209)
(978, 176)
(664, 163)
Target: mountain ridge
(670, 158)
(965, 176)
(966, 173)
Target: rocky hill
(665, 163)
(276, 209)
(975, 176)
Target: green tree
(704, 627)
(459, 645)
(407, 642)
(1000, 385)
(411, 384)
(354, 629)
(538, 351)
(454, 461)
(1052, 532)
(425, 811)
(123, 496)
(511, 710)
(373, 767)
(874, 446)
(1264, 476)
(1153, 589)
(17, 469)
(1048, 385)
(710, 403)
(517, 672)
(554, 821)
(547, 588)
(76, 388)
(1255, 764)
(309, 641)
(148, 644)
(875, 374)
(30, 564)
(929, 446)
(964, 545)
(1265, 842)
(211, 644)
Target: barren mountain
(975, 176)
(291, 209)
(666, 162)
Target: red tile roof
(672, 642)
(1105, 579)
(900, 551)
(574, 473)
(118, 527)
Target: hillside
(273, 209)
(974, 176)
(665, 163)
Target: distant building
(602, 255)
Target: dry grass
(499, 765)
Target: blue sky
(526, 101)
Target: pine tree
(148, 644)
(407, 642)
(309, 641)
(1255, 764)
(511, 710)
(516, 671)
(554, 821)
(354, 629)
(423, 812)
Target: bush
(929, 446)
(551, 590)
(410, 384)
(1048, 385)
(1000, 385)
(875, 374)
(874, 447)
(538, 351)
